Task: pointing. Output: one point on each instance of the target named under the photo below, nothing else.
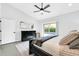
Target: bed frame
(37, 51)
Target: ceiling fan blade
(41, 5)
(46, 11)
(37, 11)
(46, 6)
(37, 7)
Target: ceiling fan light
(41, 12)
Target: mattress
(52, 46)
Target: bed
(54, 47)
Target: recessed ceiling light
(70, 4)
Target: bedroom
(18, 18)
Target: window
(50, 28)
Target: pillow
(74, 44)
(68, 39)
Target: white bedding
(52, 46)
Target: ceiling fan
(42, 8)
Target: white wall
(66, 22)
(0, 10)
(11, 13)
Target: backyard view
(50, 27)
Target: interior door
(8, 31)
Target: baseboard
(10, 43)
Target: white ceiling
(55, 8)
